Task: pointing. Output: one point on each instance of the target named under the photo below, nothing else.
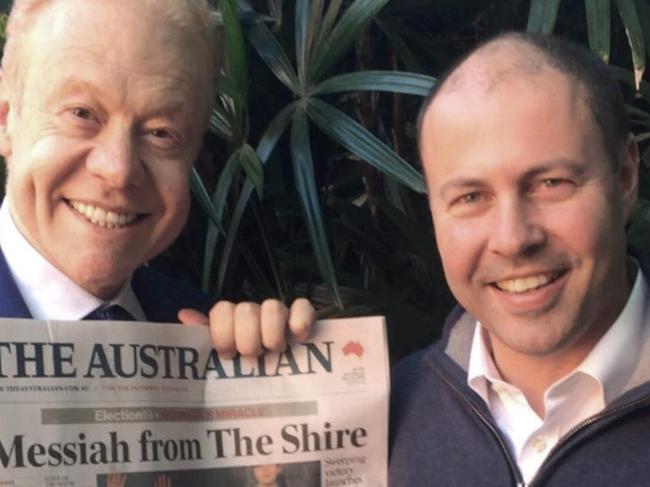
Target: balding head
(493, 63)
(529, 57)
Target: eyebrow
(462, 182)
(576, 168)
(172, 108)
(71, 85)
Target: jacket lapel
(11, 302)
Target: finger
(222, 328)
(248, 336)
(273, 316)
(301, 318)
(189, 316)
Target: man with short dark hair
(103, 106)
(541, 376)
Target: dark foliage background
(309, 181)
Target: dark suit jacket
(160, 297)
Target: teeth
(101, 217)
(523, 284)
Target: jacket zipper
(617, 411)
(514, 469)
(608, 413)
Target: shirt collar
(614, 357)
(610, 362)
(48, 292)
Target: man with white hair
(103, 105)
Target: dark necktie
(113, 312)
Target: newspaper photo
(88, 404)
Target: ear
(628, 174)
(5, 139)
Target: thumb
(189, 316)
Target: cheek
(588, 227)
(46, 164)
(459, 244)
(172, 186)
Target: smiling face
(529, 213)
(101, 135)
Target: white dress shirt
(598, 380)
(47, 292)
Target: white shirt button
(539, 444)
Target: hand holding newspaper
(124, 405)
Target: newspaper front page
(127, 405)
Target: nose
(516, 230)
(115, 158)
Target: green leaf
(391, 81)
(227, 88)
(231, 239)
(303, 168)
(220, 194)
(253, 167)
(637, 112)
(361, 142)
(599, 27)
(328, 21)
(627, 10)
(215, 228)
(235, 47)
(231, 235)
(308, 16)
(302, 38)
(266, 145)
(274, 131)
(641, 137)
(203, 197)
(643, 11)
(275, 9)
(355, 17)
(627, 76)
(542, 15)
(271, 52)
(220, 125)
(401, 47)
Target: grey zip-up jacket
(442, 432)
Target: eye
(553, 189)
(470, 198)
(469, 204)
(160, 133)
(162, 138)
(552, 182)
(80, 119)
(82, 113)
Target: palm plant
(322, 36)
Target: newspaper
(124, 405)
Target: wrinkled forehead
(118, 30)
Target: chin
(103, 281)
